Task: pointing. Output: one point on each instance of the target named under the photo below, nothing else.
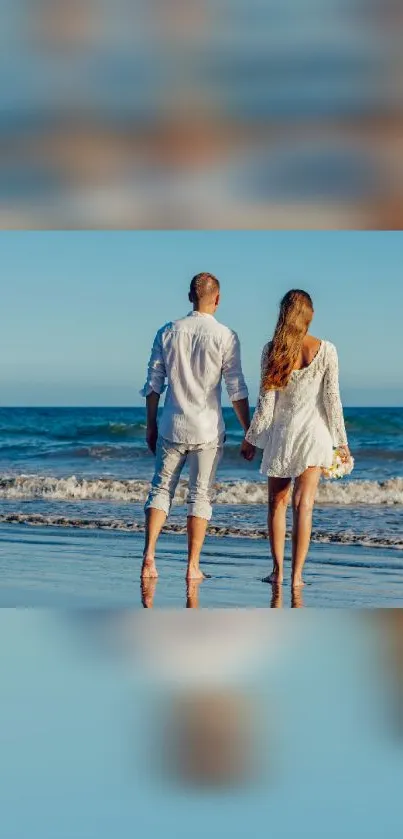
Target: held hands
(247, 450)
(152, 437)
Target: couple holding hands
(298, 421)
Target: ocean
(89, 468)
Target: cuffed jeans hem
(200, 511)
(242, 394)
(157, 504)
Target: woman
(297, 422)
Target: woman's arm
(263, 416)
(332, 400)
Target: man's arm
(232, 372)
(152, 390)
(237, 389)
(152, 427)
(242, 410)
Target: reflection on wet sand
(148, 587)
(192, 594)
(277, 597)
(297, 601)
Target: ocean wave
(104, 431)
(374, 422)
(71, 432)
(377, 454)
(133, 447)
(96, 452)
(74, 451)
(377, 426)
(343, 493)
(318, 536)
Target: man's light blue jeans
(171, 457)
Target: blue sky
(79, 309)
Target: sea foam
(72, 488)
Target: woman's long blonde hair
(296, 311)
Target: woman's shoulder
(322, 343)
(265, 353)
(322, 352)
(313, 343)
(329, 353)
(329, 346)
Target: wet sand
(53, 567)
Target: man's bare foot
(274, 578)
(194, 573)
(297, 582)
(149, 568)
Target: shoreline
(319, 537)
(57, 567)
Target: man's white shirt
(193, 355)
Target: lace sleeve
(263, 416)
(331, 399)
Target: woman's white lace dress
(299, 426)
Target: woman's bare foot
(276, 577)
(194, 573)
(149, 568)
(297, 582)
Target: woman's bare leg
(303, 503)
(279, 496)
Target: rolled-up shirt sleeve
(232, 370)
(156, 373)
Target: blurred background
(210, 722)
(201, 114)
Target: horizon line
(135, 407)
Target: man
(193, 354)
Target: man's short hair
(203, 285)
